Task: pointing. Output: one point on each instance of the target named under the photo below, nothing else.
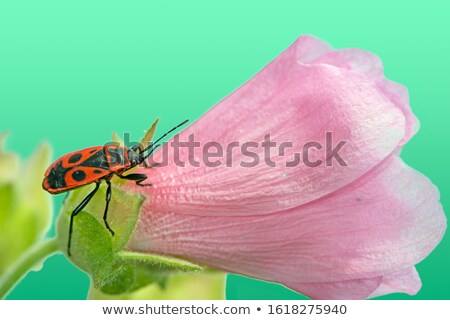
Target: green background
(71, 72)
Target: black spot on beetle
(78, 175)
(55, 178)
(96, 171)
(75, 158)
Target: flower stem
(28, 260)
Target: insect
(95, 164)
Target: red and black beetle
(95, 164)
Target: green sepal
(178, 286)
(112, 268)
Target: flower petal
(369, 64)
(406, 280)
(361, 61)
(294, 102)
(308, 49)
(399, 95)
(341, 290)
(386, 221)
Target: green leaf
(29, 187)
(117, 139)
(112, 269)
(25, 209)
(9, 162)
(147, 139)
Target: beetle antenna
(154, 145)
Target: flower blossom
(335, 231)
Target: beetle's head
(135, 156)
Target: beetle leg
(108, 199)
(138, 178)
(77, 211)
(149, 166)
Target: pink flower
(329, 232)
